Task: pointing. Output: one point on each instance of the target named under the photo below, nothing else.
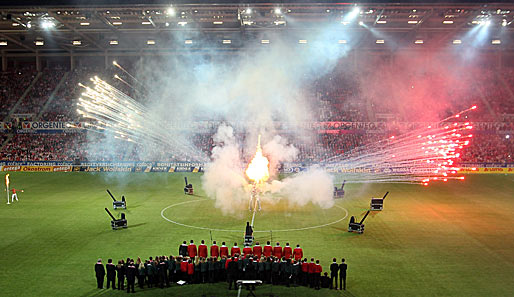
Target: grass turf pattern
(448, 239)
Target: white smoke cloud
(224, 179)
(312, 186)
(280, 151)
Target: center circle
(239, 230)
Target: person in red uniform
(267, 250)
(298, 253)
(277, 251)
(312, 273)
(191, 250)
(223, 250)
(317, 275)
(190, 271)
(183, 269)
(257, 250)
(215, 250)
(287, 252)
(235, 250)
(305, 272)
(202, 250)
(247, 250)
(14, 195)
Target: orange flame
(258, 169)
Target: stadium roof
(100, 27)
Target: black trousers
(342, 281)
(121, 283)
(100, 282)
(231, 279)
(130, 284)
(111, 280)
(332, 278)
(141, 280)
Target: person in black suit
(334, 269)
(131, 276)
(111, 274)
(100, 273)
(232, 271)
(120, 269)
(342, 275)
(182, 249)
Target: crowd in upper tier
(274, 265)
(51, 95)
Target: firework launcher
(339, 192)
(248, 240)
(188, 189)
(378, 203)
(117, 203)
(357, 227)
(117, 223)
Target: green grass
(449, 239)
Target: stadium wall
(170, 167)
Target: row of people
(216, 251)
(163, 271)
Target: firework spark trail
(116, 112)
(419, 156)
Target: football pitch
(448, 239)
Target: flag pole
(7, 187)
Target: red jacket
(267, 250)
(298, 253)
(312, 267)
(235, 250)
(183, 266)
(247, 251)
(191, 250)
(215, 251)
(202, 250)
(318, 268)
(190, 268)
(277, 252)
(305, 267)
(287, 252)
(224, 251)
(226, 263)
(257, 251)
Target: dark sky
(125, 2)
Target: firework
(421, 156)
(113, 111)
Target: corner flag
(7, 186)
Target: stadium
(228, 148)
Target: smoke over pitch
(224, 179)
